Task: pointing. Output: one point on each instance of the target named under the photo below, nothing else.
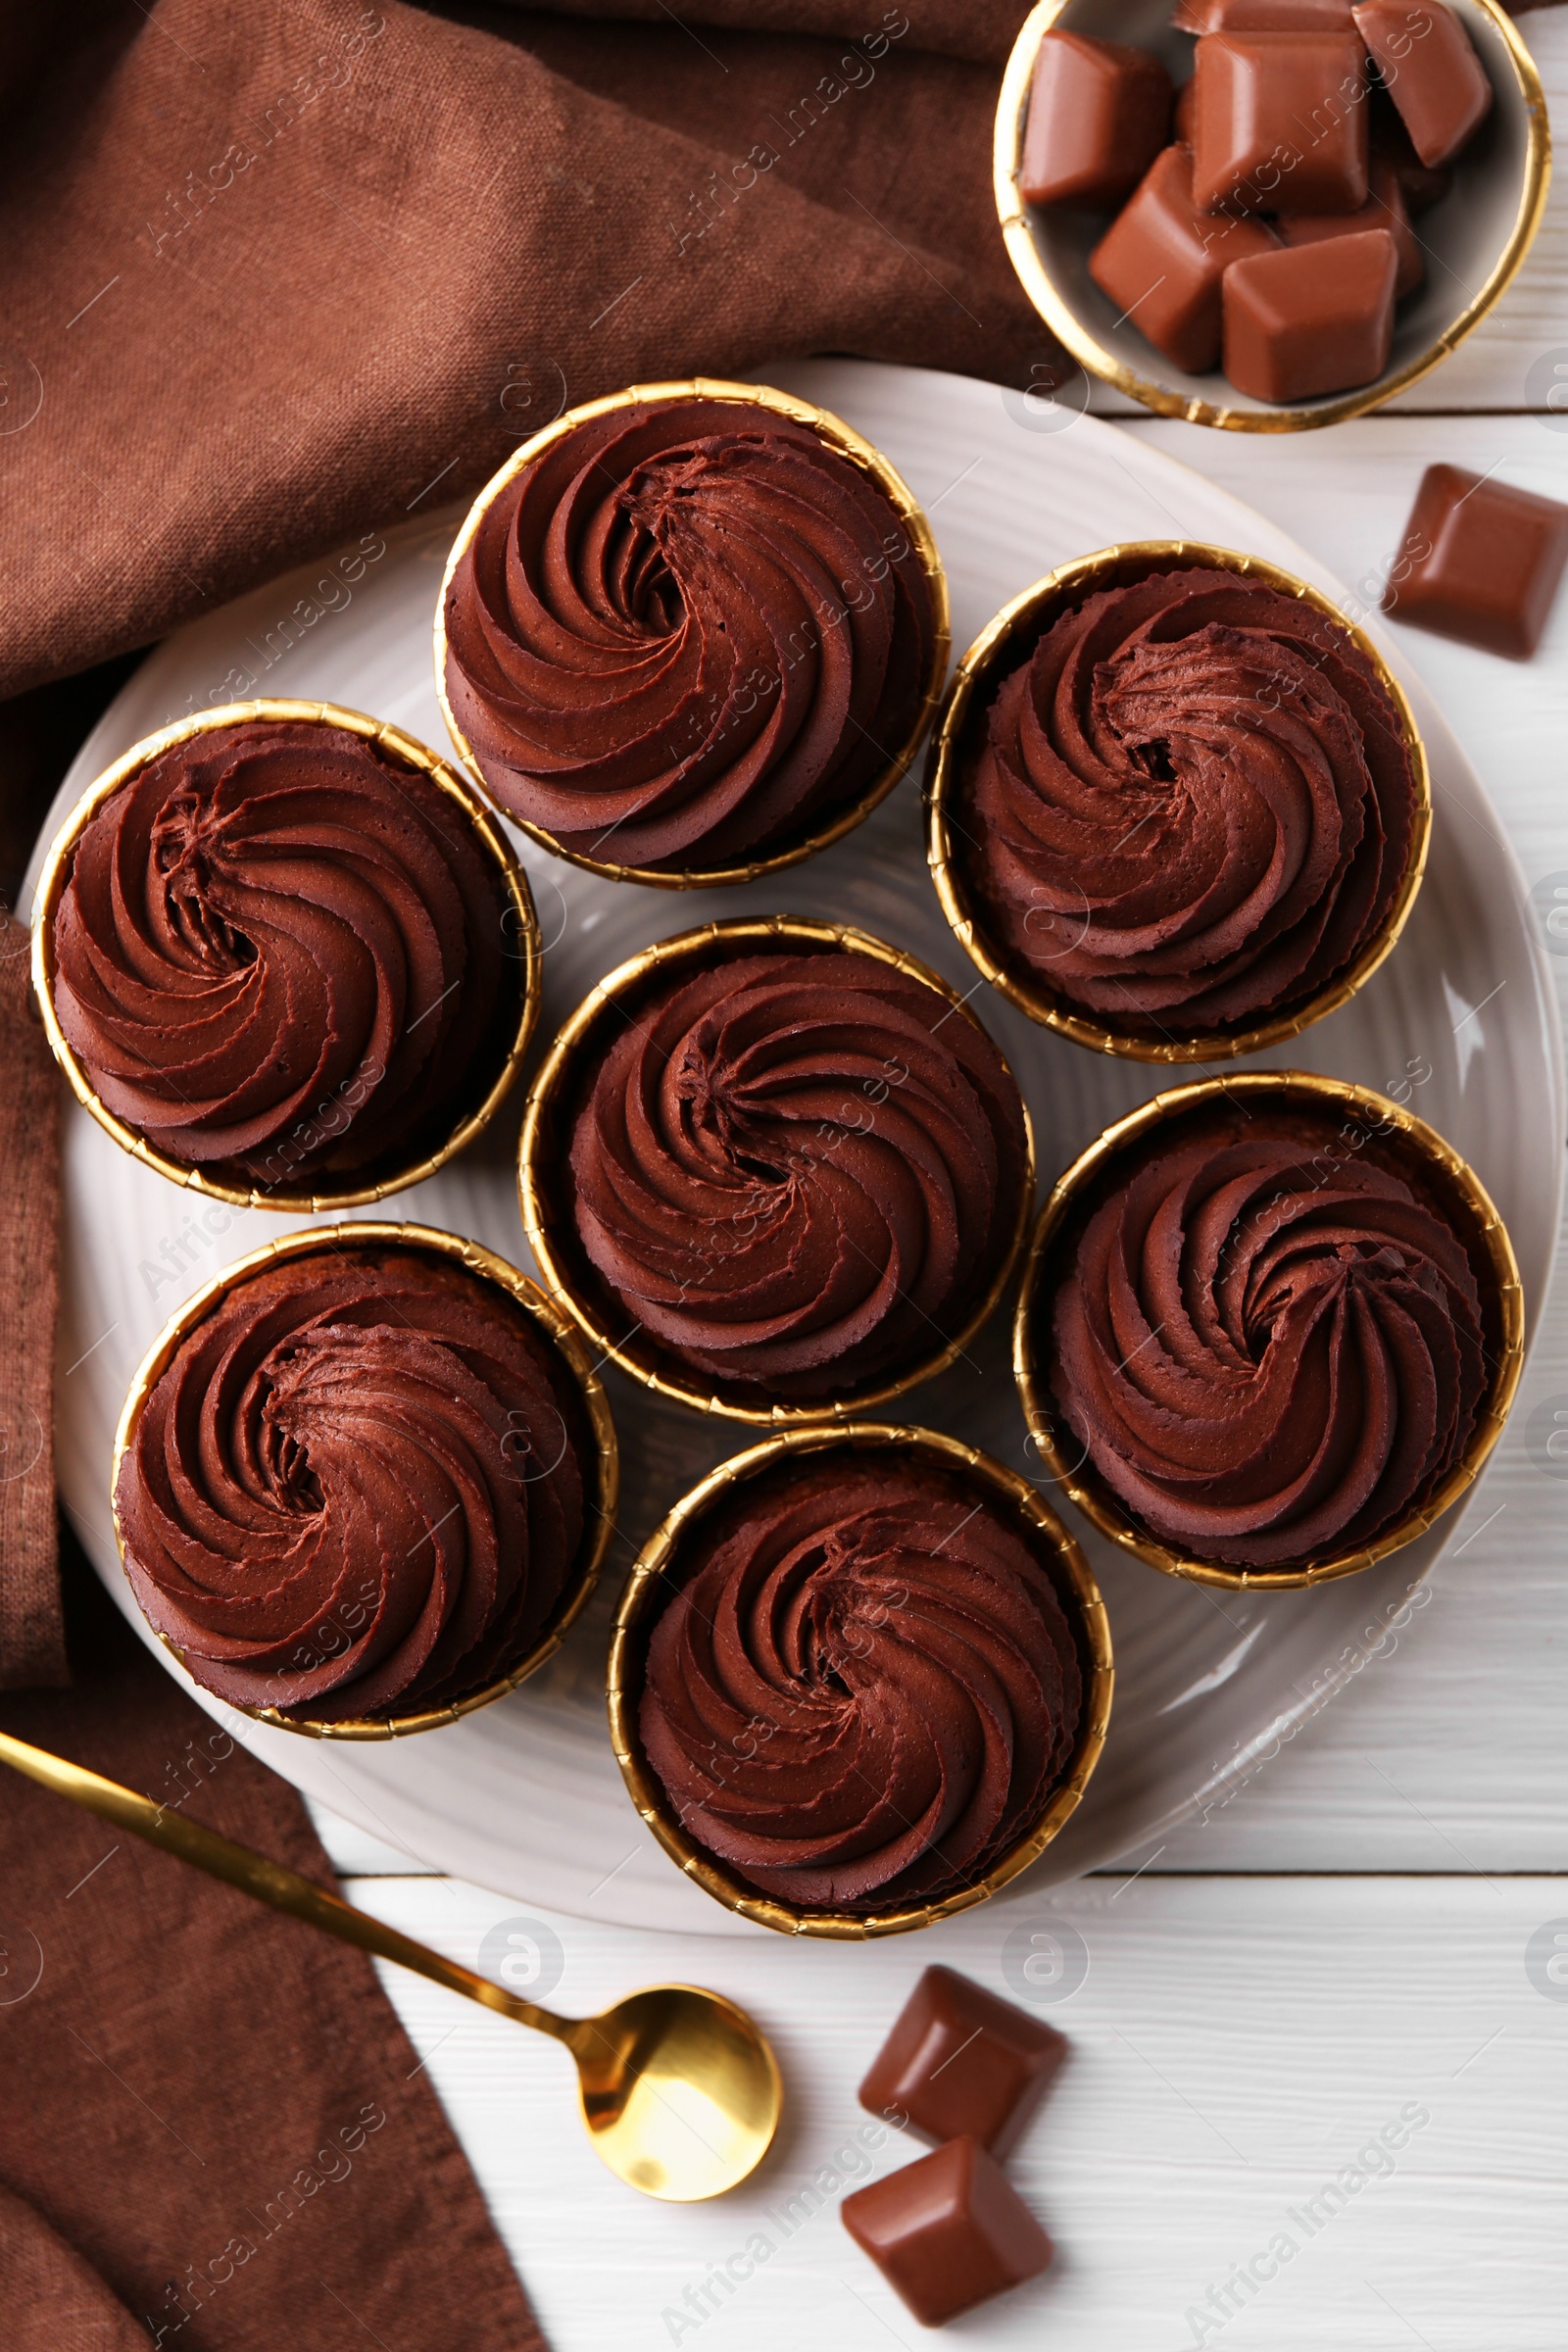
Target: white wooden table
(1344, 1945)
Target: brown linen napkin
(213, 2124)
(979, 28)
(51, 2299)
(271, 277)
(31, 1645)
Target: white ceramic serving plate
(524, 1797)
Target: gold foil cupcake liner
(1453, 1185)
(846, 443)
(547, 1218)
(1069, 328)
(656, 1575)
(521, 948)
(602, 1471)
(1026, 618)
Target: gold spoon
(680, 2091)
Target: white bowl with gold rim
(1475, 240)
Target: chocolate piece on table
(1311, 318)
(947, 2232)
(1431, 71)
(1161, 262)
(1281, 118)
(1261, 16)
(1386, 208)
(960, 2060)
(1099, 115)
(1480, 562)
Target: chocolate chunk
(1161, 262)
(1480, 562)
(1181, 121)
(960, 2060)
(1262, 15)
(1099, 115)
(1386, 208)
(1431, 71)
(947, 2232)
(1311, 318)
(1423, 184)
(1281, 119)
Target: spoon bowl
(680, 2092)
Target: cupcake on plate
(1271, 1329)
(861, 1681)
(691, 632)
(363, 1481)
(776, 1169)
(284, 951)
(1179, 806)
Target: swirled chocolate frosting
(279, 956)
(356, 1488)
(797, 1171)
(688, 633)
(864, 1691)
(1191, 805)
(1270, 1344)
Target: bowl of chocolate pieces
(1268, 214)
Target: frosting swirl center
(685, 631)
(1269, 1345)
(796, 1172)
(278, 955)
(1193, 804)
(356, 1488)
(865, 1689)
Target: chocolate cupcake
(858, 1679)
(363, 1481)
(1179, 808)
(691, 632)
(286, 954)
(1270, 1330)
(776, 1168)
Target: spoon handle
(268, 1881)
